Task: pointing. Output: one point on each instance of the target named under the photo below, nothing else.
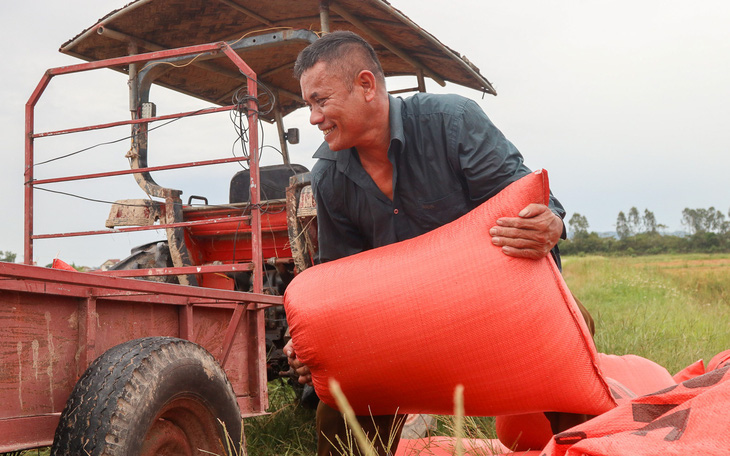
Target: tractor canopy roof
(284, 26)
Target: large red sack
(400, 326)
(628, 376)
(690, 418)
(634, 375)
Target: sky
(624, 103)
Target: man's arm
(490, 162)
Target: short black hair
(346, 52)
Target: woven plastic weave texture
(400, 326)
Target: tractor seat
(274, 181)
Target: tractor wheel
(151, 396)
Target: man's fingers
(296, 367)
(530, 235)
(523, 253)
(511, 236)
(520, 242)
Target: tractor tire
(151, 396)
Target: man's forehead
(317, 80)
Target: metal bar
(230, 334)
(40, 88)
(242, 66)
(26, 432)
(103, 30)
(29, 160)
(106, 294)
(135, 121)
(56, 277)
(87, 334)
(132, 48)
(140, 170)
(324, 15)
(254, 198)
(421, 81)
(256, 323)
(232, 305)
(385, 42)
(28, 187)
(279, 118)
(157, 272)
(122, 61)
(186, 322)
(241, 218)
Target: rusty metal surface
(301, 248)
(36, 279)
(168, 434)
(27, 432)
(403, 47)
(136, 212)
(54, 322)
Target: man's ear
(367, 82)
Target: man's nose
(315, 116)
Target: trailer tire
(150, 396)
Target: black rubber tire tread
(113, 404)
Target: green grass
(287, 430)
(672, 309)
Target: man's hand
(532, 234)
(297, 367)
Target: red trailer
(155, 360)
(109, 364)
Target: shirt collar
(396, 120)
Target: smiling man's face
(335, 109)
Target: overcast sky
(625, 103)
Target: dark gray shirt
(447, 158)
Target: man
(391, 169)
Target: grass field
(672, 309)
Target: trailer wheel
(150, 396)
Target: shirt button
(395, 211)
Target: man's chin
(334, 144)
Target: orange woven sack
(400, 326)
(690, 418)
(634, 375)
(628, 376)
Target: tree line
(708, 231)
